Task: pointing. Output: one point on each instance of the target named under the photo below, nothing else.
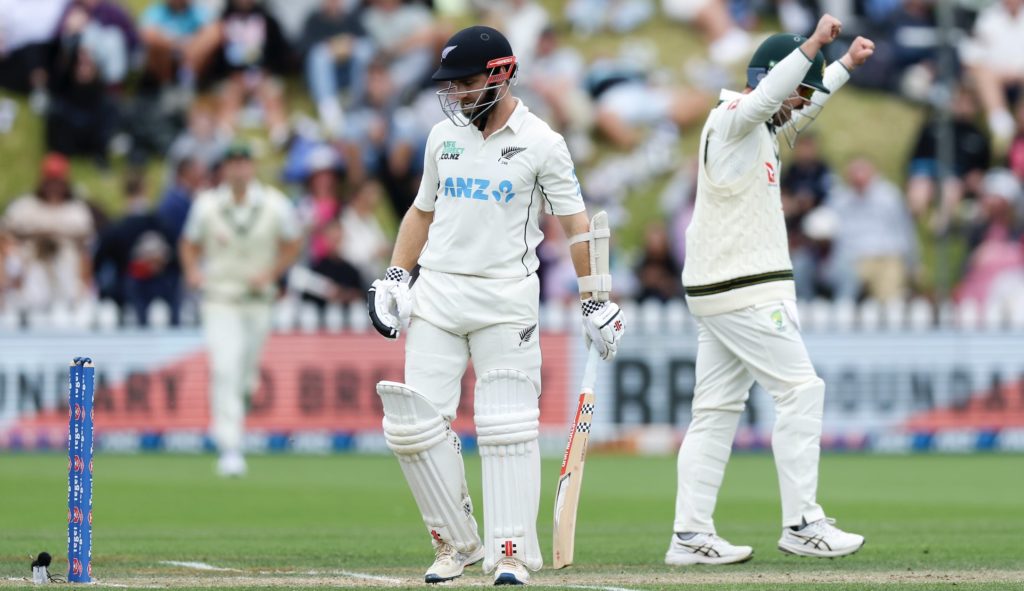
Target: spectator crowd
(339, 92)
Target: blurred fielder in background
(739, 285)
(247, 235)
(474, 229)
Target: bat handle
(590, 369)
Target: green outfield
(932, 522)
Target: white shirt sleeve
(758, 107)
(836, 76)
(429, 183)
(558, 183)
(291, 228)
(194, 225)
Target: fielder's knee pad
(507, 421)
(431, 458)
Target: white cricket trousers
(235, 334)
(734, 349)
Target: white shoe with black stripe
(821, 539)
(700, 548)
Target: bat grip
(590, 369)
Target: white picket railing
(292, 314)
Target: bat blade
(570, 482)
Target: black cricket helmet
(472, 51)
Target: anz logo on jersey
(479, 189)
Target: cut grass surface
(930, 521)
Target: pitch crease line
(339, 573)
(199, 566)
(597, 587)
(369, 577)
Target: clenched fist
(860, 50)
(827, 30)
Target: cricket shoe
(231, 464)
(704, 548)
(820, 539)
(511, 572)
(449, 563)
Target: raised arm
(836, 76)
(780, 83)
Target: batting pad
(431, 459)
(507, 418)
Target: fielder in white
(489, 170)
(739, 285)
(239, 239)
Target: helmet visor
(464, 106)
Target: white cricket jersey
(737, 252)
(487, 194)
(240, 240)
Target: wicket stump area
(80, 446)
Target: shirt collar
(253, 195)
(517, 118)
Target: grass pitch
(932, 522)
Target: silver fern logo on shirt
(507, 154)
(526, 334)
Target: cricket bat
(570, 481)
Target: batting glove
(390, 302)
(603, 325)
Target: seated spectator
(1015, 158)
(345, 285)
(106, 31)
(404, 38)
(909, 67)
(522, 22)
(726, 40)
(628, 101)
(250, 47)
(189, 178)
(155, 114)
(995, 63)
(26, 43)
(82, 117)
(805, 186)
(589, 17)
(971, 158)
(556, 78)
(874, 249)
(168, 28)
(52, 230)
(808, 178)
(365, 245)
(321, 204)
(995, 267)
(658, 274)
(811, 253)
(377, 142)
(134, 258)
(336, 53)
(200, 139)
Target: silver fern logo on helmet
(462, 112)
(446, 51)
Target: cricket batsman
(739, 285)
(489, 170)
